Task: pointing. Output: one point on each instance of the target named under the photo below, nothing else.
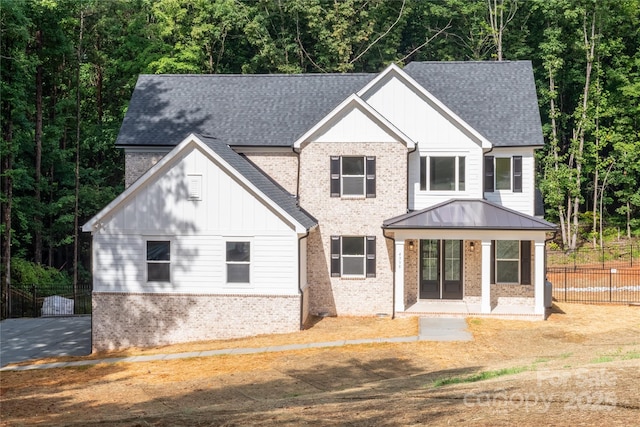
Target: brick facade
(137, 163)
(144, 320)
(351, 217)
(281, 167)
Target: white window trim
(363, 256)
(518, 260)
(495, 174)
(170, 262)
(250, 263)
(364, 179)
(456, 158)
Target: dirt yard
(580, 367)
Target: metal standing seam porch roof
(468, 214)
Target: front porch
(461, 308)
(469, 258)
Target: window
(507, 261)
(503, 173)
(158, 261)
(511, 261)
(238, 262)
(353, 256)
(353, 176)
(444, 173)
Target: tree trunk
(37, 232)
(554, 147)
(579, 133)
(77, 166)
(7, 189)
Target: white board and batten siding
(520, 201)
(198, 231)
(353, 125)
(437, 135)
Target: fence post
(631, 251)
(34, 301)
(610, 284)
(565, 284)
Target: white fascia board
(398, 72)
(356, 102)
(94, 223)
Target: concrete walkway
(435, 329)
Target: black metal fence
(609, 274)
(595, 285)
(49, 300)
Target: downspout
(393, 296)
(407, 180)
(299, 281)
(484, 172)
(297, 153)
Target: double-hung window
(238, 260)
(511, 262)
(353, 176)
(353, 256)
(442, 173)
(503, 173)
(158, 261)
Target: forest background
(68, 68)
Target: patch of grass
(475, 321)
(541, 360)
(565, 355)
(631, 355)
(602, 359)
(480, 376)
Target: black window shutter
(493, 262)
(525, 262)
(335, 176)
(371, 176)
(423, 173)
(335, 256)
(488, 173)
(517, 174)
(371, 256)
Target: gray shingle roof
(474, 214)
(263, 110)
(272, 190)
(496, 98)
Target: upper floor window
(442, 173)
(238, 262)
(353, 256)
(503, 173)
(353, 176)
(158, 261)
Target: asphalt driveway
(27, 338)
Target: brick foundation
(145, 320)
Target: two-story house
(254, 201)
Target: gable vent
(195, 187)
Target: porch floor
(460, 308)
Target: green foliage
(25, 274)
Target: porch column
(485, 302)
(539, 277)
(399, 277)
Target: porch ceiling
(469, 214)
